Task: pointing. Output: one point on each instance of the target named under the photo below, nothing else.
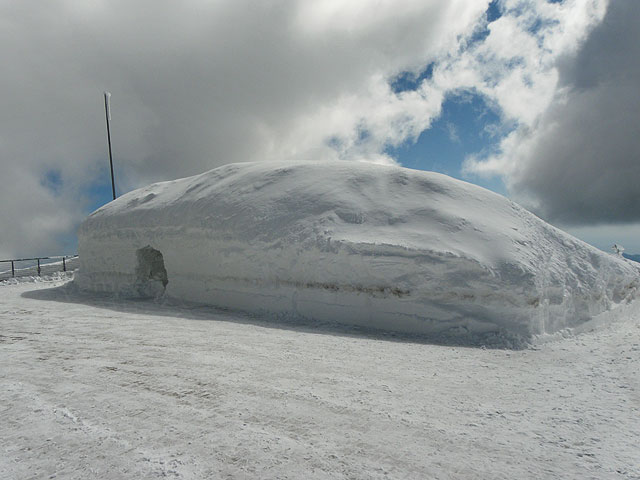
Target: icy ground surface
(91, 388)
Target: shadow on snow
(69, 293)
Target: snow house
(354, 243)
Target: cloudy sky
(535, 99)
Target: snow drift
(379, 246)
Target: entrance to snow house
(151, 276)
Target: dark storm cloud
(580, 164)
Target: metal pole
(38, 267)
(64, 265)
(13, 270)
(107, 112)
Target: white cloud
(198, 84)
(575, 157)
(516, 65)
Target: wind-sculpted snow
(379, 246)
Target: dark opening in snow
(151, 275)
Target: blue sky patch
(482, 31)
(52, 181)
(466, 126)
(99, 191)
(493, 11)
(410, 81)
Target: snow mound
(377, 246)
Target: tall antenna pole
(107, 112)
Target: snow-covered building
(379, 246)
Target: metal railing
(51, 265)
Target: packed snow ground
(91, 387)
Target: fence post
(13, 270)
(38, 267)
(64, 265)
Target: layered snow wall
(378, 246)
